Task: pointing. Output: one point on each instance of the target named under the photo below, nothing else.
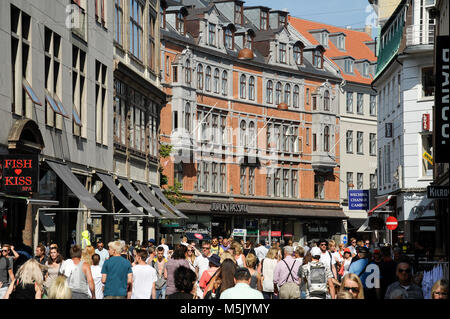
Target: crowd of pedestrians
(222, 268)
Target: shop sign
(441, 122)
(437, 192)
(240, 232)
(318, 229)
(229, 207)
(275, 234)
(264, 233)
(287, 235)
(252, 232)
(426, 122)
(19, 173)
(428, 157)
(358, 199)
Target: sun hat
(315, 251)
(215, 260)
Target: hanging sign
(19, 174)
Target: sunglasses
(4, 250)
(354, 289)
(323, 244)
(405, 270)
(440, 293)
(207, 248)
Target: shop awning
(138, 198)
(355, 223)
(109, 182)
(74, 184)
(379, 206)
(364, 226)
(164, 199)
(47, 222)
(147, 193)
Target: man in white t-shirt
(144, 278)
(201, 263)
(102, 252)
(261, 251)
(96, 271)
(166, 248)
(326, 258)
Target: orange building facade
(253, 121)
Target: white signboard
(240, 232)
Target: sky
(341, 13)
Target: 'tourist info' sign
(441, 112)
(229, 208)
(19, 173)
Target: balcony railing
(420, 35)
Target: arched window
(326, 139)
(208, 79)
(249, 40)
(187, 117)
(243, 86)
(251, 134)
(298, 54)
(278, 93)
(188, 72)
(216, 80)
(225, 83)
(326, 101)
(251, 88)
(295, 97)
(243, 133)
(269, 92)
(229, 39)
(200, 77)
(287, 94)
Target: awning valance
(164, 199)
(138, 198)
(73, 183)
(147, 193)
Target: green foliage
(165, 150)
(173, 193)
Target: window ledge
(426, 99)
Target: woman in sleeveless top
(238, 254)
(29, 282)
(255, 281)
(53, 264)
(268, 269)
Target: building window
(251, 88)
(348, 67)
(180, 23)
(79, 96)
(175, 73)
(319, 187)
(285, 141)
(298, 54)
(243, 179)
(373, 105)
(175, 121)
(324, 39)
(224, 83)
(428, 82)
(248, 41)
(167, 66)
(295, 99)
(287, 94)
(229, 43)
(151, 42)
(264, 20)
(372, 144)
(359, 181)
(314, 103)
(341, 42)
(282, 21)
(349, 142)
(360, 103)
(314, 141)
(277, 182)
(212, 34)
(187, 117)
(326, 139)
(101, 103)
(238, 16)
(269, 92)
(285, 185)
(318, 59)
(269, 186)
(373, 181)
(326, 101)
(243, 85)
(216, 81)
(365, 70)
(118, 22)
(214, 179)
(307, 135)
(223, 178)
(278, 93)
(215, 128)
(188, 72)
(282, 52)
(251, 181)
(136, 30)
(349, 102)
(200, 77)
(252, 134)
(349, 181)
(223, 127)
(205, 177)
(359, 142)
(208, 79)
(243, 133)
(308, 96)
(294, 184)
(178, 173)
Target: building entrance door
(220, 226)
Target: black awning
(355, 223)
(138, 198)
(164, 199)
(109, 182)
(66, 175)
(47, 222)
(147, 193)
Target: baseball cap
(363, 250)
(315, 251)
(347, 250)
(151, 241)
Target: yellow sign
(428, 157)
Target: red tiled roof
(354, 45)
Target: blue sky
(340, 13)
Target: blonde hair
(226, 255)
(250, 260)
(272, 253)
(237, 248)
(87, 254)
(116, 246)
(331, 242)
(356, 279)
(341, 246)
(344, 295)
(60, 289)
(31, 272)
(300, 251)
(443, 284)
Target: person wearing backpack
(365, 267)
(286, 275)
(317, 277)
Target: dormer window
(298, 53)
(282, 20)
(264, 20)
(238, 14)
(341, 42)
(365, 69)
(282, 52)
(229, 39)
(318, 59)
(180, 23)
(249, 39)
(212, 34)
(348, 66)
(324, 39)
